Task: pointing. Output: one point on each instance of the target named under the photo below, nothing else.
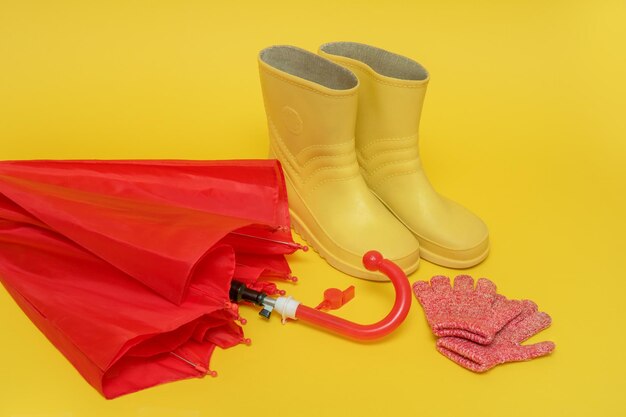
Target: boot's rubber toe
(347, 261)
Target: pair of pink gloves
(478, 328)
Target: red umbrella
(126, 266)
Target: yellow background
(524, 122)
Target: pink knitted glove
(474, 314)
(505, 346)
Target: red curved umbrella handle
(374, 262)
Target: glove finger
(422, 292)
(509, 331)
(440, 283)
(505, 312)
(463, 283)
(526, 353)
(499, 301)
(421, 287)
(530, 307)
(485, 286)
(528, 327)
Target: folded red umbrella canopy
(126, 265)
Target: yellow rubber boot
(311, 106)
(391, 95)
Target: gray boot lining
(383, 62)
(307, 65)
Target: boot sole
(448, 262)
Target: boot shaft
(309, 101)
(392, 89)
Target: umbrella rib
(290, 244)
(195, 365)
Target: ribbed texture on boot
(386, 158)
(316, 164)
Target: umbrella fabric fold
(126, 266)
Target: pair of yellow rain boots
(344, 124)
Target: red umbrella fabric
(126, 265)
